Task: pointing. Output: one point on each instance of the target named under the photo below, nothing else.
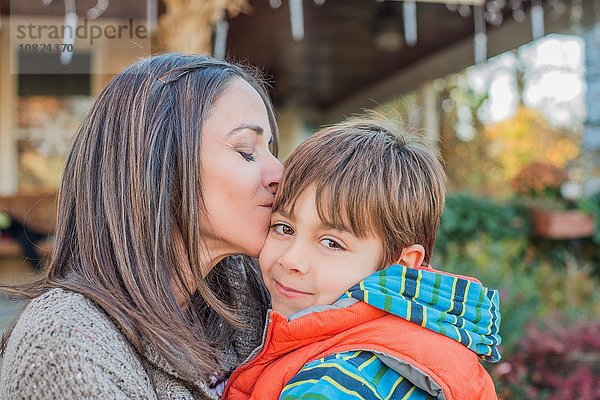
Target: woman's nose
(273, 173)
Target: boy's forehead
(305, 198)
(330, 217)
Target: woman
(171, 172)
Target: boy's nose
(294, 259)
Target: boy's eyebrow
(283, 213)
(335, 228)
(323, 225)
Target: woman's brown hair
(129, 204)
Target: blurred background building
(508, 90)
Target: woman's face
(238, 172)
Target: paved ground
(8, 311)
(12, 270)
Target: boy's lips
(290, 292)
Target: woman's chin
(254, 249)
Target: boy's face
(304, 263)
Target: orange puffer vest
(289, 345)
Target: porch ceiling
(337, 67)
(338, 58)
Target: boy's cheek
(265, 258)
(265, 247)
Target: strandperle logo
(75, 45)
(85, 30)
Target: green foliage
(591, 205)
(466, 217)
(492, 242)
(499, 264)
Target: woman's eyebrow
(257, 129)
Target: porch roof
(337, 67)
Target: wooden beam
(459, 2)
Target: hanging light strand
(98, 9)
(220, 45)
(409, 16)
(537, 19)
(576, 16)
(297, 19)
(151, 15)
(71, 20)
(480, 39)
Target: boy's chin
(283, 310)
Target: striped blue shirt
(355, 375)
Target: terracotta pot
(562, 224)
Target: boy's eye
(283, 229)
(332, 244)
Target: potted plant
(544, 188)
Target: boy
(355, 198)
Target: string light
(409, 15)
(71, 20)
(537, 19)
(297, 19)
(220, 46)
(480, 39)
(98, 9)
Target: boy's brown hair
(373, 179)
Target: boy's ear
(412, 256)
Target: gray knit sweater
(66, 347)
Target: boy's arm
(351, 375)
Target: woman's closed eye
(282, 229)
(331, 244)
(247, 156)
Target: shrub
(540, 182)
(591, 205)
(491, 242)
(465, 218)
(556, 361)
(499, 264)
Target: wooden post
(431, 117)
(187, 26)
(590, 150)
(8, 96)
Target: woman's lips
(290, 292)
